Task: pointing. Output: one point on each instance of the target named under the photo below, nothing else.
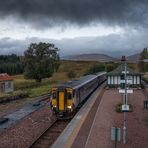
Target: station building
(6, 83)
(115, 77)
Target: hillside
(134, 57)
(90, 57)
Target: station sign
(122, 91)
(125, 108)
(127, 81)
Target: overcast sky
(113, 27)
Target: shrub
(71, 74)
(119, 108)
(95, 68)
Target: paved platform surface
(100, 132)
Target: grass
(35, 89)
(146, 76)
(14, 93)
(33, 92)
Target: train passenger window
(73, 94)
(54, 95)
(69, 96)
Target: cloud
(113, 44)
(46, 13)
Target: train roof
(83, 80)
(76, 83)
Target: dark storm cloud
(44, 13)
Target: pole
(125, 102)
(116, 136)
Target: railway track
(50, 135)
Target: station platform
(91, 127)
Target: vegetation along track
(50, 135)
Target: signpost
(122, 91)
(128, 81)
(125, 108)
(115, 135)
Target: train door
(61, 100)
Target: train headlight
(69, 106)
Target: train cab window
(54, 95)
(69, 95)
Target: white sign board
(125, 108)
(115, 134)
(127, 81)
(124, 71)
(122, 91)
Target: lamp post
(125, 103)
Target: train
(68, 97)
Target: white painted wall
(108, 80)
(116, 79)
(112, 82)
(9, 86)
(138, 79)
(134, 79)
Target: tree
(40, 61)
(11, 64)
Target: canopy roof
(120, 69)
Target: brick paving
(106, 117)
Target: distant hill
(90, 57)
(134, 58)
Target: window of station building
(9, 84)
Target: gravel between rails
(50, 135)
(9, 107)
(27, 130)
